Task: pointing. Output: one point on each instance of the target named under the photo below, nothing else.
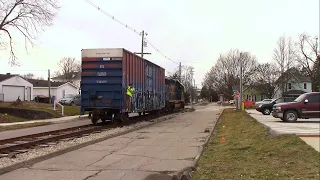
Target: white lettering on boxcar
(106, 59)
(102, 73)
(101, 81)
(101, 66)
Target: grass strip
(241, 148)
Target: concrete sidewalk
(158, 150)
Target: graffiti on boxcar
(147, 101)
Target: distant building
(294, 84)
(76, 79)
(57, 90)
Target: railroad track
(11, 147)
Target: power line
(138, 33)
(132, 29)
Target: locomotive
(106, 74)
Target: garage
(11, 93)
(14, 86)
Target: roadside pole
(241, 92)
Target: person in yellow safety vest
(130, 91)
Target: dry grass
(5, 118)
(21, 126)
(250, 152)
(68, 110)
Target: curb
(32, 161)
(271, 131)
(186, 173)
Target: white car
(265, 101)
(231, 102)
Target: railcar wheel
(94, 117)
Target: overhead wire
(129, 27)
(140, 34)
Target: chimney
(8, 73)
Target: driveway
(307, 129)
(300, 127)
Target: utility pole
(143, 44)
(241, 91)
(180, 71)
(49, 85)
(191, 73)
(195, 90)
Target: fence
(1, 97)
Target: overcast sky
(191, 31)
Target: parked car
(248, 103)
(266, 108)
(263, 102)
(77, 100)
(68, 99)
(305, 106)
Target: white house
(296, 84)
(13, 86)
(76, 79)
(57, 89)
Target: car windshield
(69, 96)
(267, 100)
(300, 98)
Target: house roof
(295, 74)
(75, 75)
(6, 76)
(44, 83)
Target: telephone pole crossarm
(143, 44)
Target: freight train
(105, 76)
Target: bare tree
(308, 49)
(225, 74)
(265, 78)
(27, 17)
(28, 76)
(285, 56)
(67, 67)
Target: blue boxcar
(106, 73)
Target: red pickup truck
(305, 106)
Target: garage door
(11, 93)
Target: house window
(289, 85)
(305, 85)
(63, 93)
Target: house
(249, 93)
(295, 84)
(13, 86)
(57, 89)
(76, 79)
